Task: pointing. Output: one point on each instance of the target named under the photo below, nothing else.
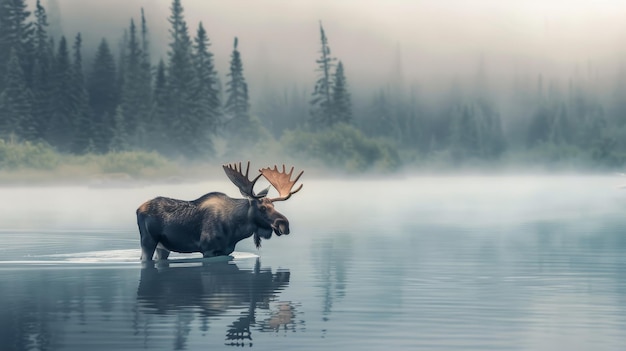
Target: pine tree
(121, 63)
(283, 111)
(321, 103)
(341, 104)
(378, 121)
(42, 72)
(133, 105)
(40, 37)
(207, 94)
(82, 121)
(475, 131)
(237, 102)
(60, 131)
(181, 112)
(15, 34)
(6, 42)
(103, 96)
(145, 88)
(120, 139)
(159, 122)
(145, 42)
(16, 103)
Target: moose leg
(148, 245)
(162, 253)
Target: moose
(214, 223)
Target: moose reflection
(210, 290)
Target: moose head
(261, 209)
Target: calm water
(442, 263)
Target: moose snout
(281, 226)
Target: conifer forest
(57, 98)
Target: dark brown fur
(212, 224)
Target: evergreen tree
(207, 93)
(60, 131)
(539, 130)
(145, 42)
(15, 34)
(283, 111)
(120, 139)
(103, 96)
(476, 131)
(82, 122)
(42, 72)
(144, 128)
(341, 104)
(378, 120)
(237, 102)
(134, 103)
(587, 116)
(321, 103)
(121, 63)
(181, 112)
(16, 103)
(159, 122)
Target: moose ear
(263, 193)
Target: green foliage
(104, 94)
(42, 73)
(15, 35)
(156, 129)
(83, 122)
(133, 163)
(18, 158)
(343, 147)
(283, 111)
(321, 100)
(609, 149)
(27, 155)
(16, 103)
(341, 104)
(207, 93)
(475, 132)
(250, 138)
(60, 128)
(120, 139)
(136, 96)
(185, 135)
(237, 102)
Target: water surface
(441, 263)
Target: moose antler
(281, 181)
(246, 187)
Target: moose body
(214, 223)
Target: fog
(425, 43)
(340, 205)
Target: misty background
(430, 40)
(427, 85)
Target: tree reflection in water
(209, 290)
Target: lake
(405, 263)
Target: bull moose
(214, 223)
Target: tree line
(122, 103)
(178, 106)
